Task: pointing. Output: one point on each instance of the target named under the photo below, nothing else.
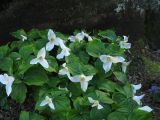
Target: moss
(152, 68)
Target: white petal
(43, 103)
(44, 63)
(99, 106)
(80, 36)
(34, 61)
(117, 59)
(66, 52)
(136, 87)
(125, 45)
(58, 41)
(124, 66)
(90, 38)
(51, 105)
(2, 79)
(63, 71)
(49, 46)
(51, 34)
(146, 108)
(72, 38)
(107, 66)
(84, 85)
(138, 98)
(41, 53)
(61, 55)
(125, 38)
(91, 100)
(8, 89)
(75, 78)
(103, 58)
(88, 78)
(23, 37)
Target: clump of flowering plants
(78, 77)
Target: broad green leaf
(53, 65)
(114, 49)
(109, 34)
(15, 56)
(19, 92)
(121, 76)
(118, 97)
(35, 76)
(140, 115)
(26, 50)
(18, 34)
(3, 51)
(95, 48)
(107, 86)
(80, 104)
(6, 64)
(104, 97)
(117, 116)
(30, 116)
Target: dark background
(67, 15)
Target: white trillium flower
(8, 81)
(64, 70)
(53, 40)
(138, 99)
(48, 101)
(40, 58)
(125, 65)
(65, 51)
(136, 87)
(23, 37)
(95, 103)
(78, 37)
(146, 108)
(82, 79)
(108, 60)
(124, 44)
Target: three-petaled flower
(53, 40)
(82, 79)
(48, 101)
(23, 37)
(138, 99)
(78, 37)
(124, 44)
(108, 60)
(136, 87)
(95, 103)
(41, 58)
(8, 81)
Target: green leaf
(6, 64)
(30, 116)
(3, 51)
(114, 49)
(15, 56)
(121, 76)
(53, 65)
(35, 76)
(26, 50)
(18, 34)
(140, 115)
(95, 48)
(118, 97)
(109, 34)
(19, 92)
(107, 86)
(117, 116)
(104, 97)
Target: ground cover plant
(77, 77)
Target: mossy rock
(152, 68)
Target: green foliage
(110, 91)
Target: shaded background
(67, 15)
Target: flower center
(82, 78)
(109, 59)
(52, 39)
(40, 58)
